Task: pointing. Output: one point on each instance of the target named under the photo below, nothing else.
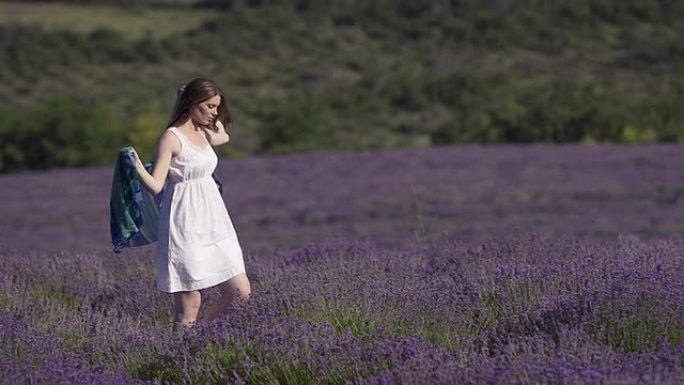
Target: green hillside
(339, 75)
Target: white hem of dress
(203, 284)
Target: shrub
(300, 125)
(61, 133)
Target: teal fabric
(133, 212)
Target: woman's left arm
(217, 138)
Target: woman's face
(205, 113)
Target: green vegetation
(366, 74)
(132, 22)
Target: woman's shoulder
(171, 133)
(170, 139)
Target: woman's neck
(191, 126)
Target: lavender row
(526, 309)
(394, 199)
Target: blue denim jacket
(133, 212)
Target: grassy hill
(132, 22)
(303, 76)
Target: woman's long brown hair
(195, 92)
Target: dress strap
(181, 138)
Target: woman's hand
(216, 138)
(138, 163)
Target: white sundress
(197, 246)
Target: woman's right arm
(167, 147)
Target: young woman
(197, 246)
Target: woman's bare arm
(217, 138)
(168, 146)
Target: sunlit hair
(195, 92)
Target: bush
(300, 125)
(61, 133)
(510, 111)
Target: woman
(197, 246)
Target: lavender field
(462, 265)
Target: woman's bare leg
(186, 307)
(236, 289)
